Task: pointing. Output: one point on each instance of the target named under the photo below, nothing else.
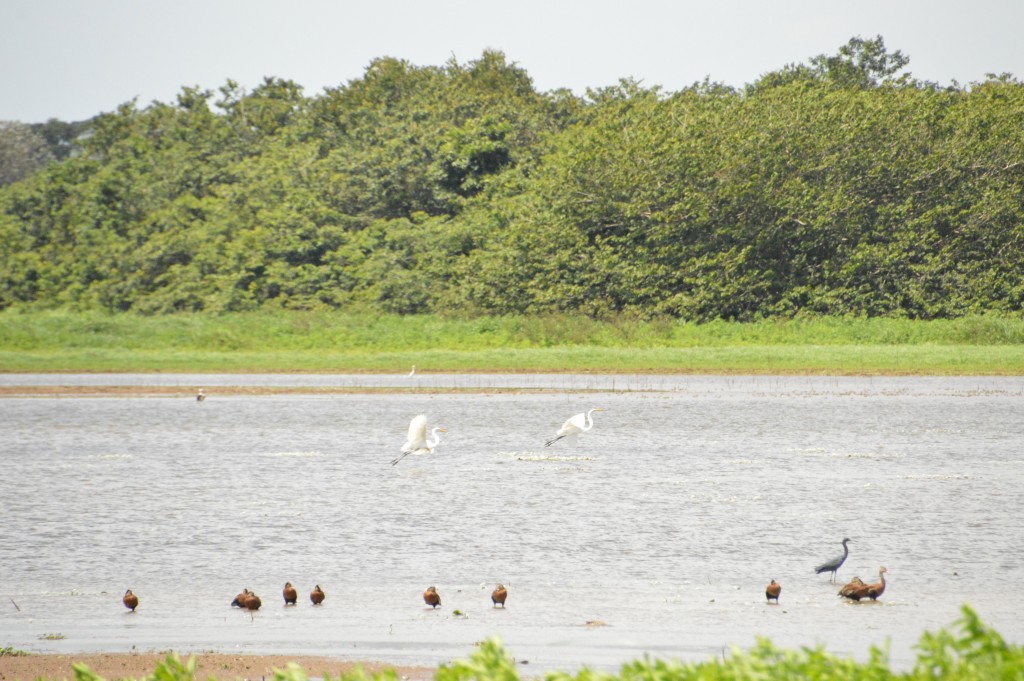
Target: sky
(73, 59)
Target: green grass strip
(288, 341)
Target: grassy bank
(971, 651)
(338, 342)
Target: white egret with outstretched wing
(580, 423)
(417, 441)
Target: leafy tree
(61, 137)
(859, 63)
(835, 187)
(22, 152)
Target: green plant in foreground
(977, 652)
(11, 651)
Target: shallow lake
(661, 526)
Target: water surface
(664, 523)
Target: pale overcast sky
(71, 59)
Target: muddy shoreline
(221, 666)
(225, 390)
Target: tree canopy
(839, 186)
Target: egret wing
(574, 425)
(417, 437)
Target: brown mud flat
(211, 393)
(224, 667)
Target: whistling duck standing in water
(253, 602)
(878, 588)
(499, 595)
(290, 594)
(833, 565)
(130, 600)
(243, 598)
(855, 589)
(431, 597)
(317, 595)
(772, 591)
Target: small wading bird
(317, 595)
(130, 600)
(417, 442)
(580, 423)
(431, 597)
(201, 395)
(772, 591)
(499, 595)
(833, 565)
(855, 589)
(412, 372)
(290, 594)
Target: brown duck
(241, 598)
(290, 594)
(499, 595)
(253, 602)
(878, 588)
(855, 589)
(317, 595)
(130, 600)
(431, 597)
(772, 591)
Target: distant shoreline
(178, 391)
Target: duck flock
(248, 600)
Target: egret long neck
(588, 423)
(436, 438)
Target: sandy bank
(217, 665)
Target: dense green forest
(840, 186)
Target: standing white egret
(417, 441)
(580, 423)
(412, 372)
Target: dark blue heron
(833, 565)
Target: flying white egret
(580, 423)
(418, 442)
